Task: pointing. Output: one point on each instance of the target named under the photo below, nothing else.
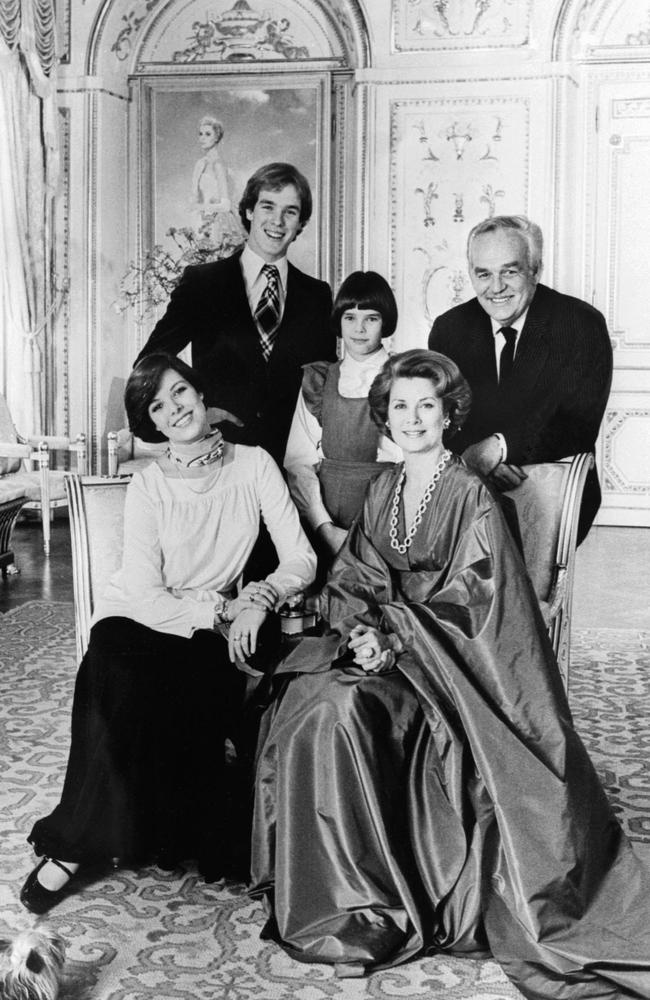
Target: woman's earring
(446, 423)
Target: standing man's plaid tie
(267, 314)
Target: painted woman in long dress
(215, 218)
(421, 787)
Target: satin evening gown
(447, 805)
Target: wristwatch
(221, 613)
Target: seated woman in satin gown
(160, 687)
(420, 786)
(334, 447)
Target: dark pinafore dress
(349, 442)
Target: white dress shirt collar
(518, 324)
(252, 264)
(356, 377)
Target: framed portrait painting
(201, 138)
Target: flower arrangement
(149, 282)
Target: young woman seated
(162, 683)
(420, 787)
(334, 447)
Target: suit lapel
(479, 340)
(533, 349)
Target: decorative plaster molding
(59, 352)
(63, 31)
(614, 479)
(93, 420)
(621, 149)
(631, 108)
(602, 29)
(452, 163)
(597, 77)
(431, 80)
(134, 33)
(93, 90)
(460, 25)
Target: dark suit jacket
(210, 310)
(554, 402)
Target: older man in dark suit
(539, 363)
(254, 319)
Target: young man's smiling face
(275, 222)
(501, 274)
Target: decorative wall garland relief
(450, 169)
(242, 34)
(460, 24)
(238, 32)
(429, 194)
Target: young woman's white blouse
(183, 550)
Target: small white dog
(31, 966)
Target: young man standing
(253, 319)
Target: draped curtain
(28, 170)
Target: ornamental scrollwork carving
(460, 23)
(242, 34)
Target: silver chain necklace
(402, 547)
(209, 479)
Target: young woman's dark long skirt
(146, 772)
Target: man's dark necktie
(507, 354)
(267, 314)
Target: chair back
(8, 435)
(548, 509)
(96, 511)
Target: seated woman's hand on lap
(374, 651)
(242, 637)
(257, 594)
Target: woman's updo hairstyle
(215, 125)
(450, 386)
(141, 388)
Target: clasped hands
(485, 457)
(373, 650)
(247, 613)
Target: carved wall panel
(605, 29)
(460, 24)
(618, 165)
(137, 35)
(626, 455)
(243, 32)
(453, 163)
(628, 258)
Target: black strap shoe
(35, 897)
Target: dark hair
(444, 373)
(366, 290)
(141, 388)
(274, 177)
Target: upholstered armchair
(548, 507)
(26, 465)
(126, 452)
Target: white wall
(502, 107)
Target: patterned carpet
(149, 934)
